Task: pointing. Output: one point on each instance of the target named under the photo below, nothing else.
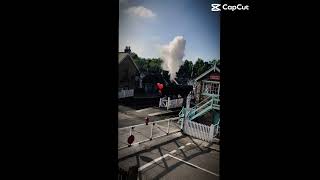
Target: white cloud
(140, 11)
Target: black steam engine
(175, 90)
(166, 88)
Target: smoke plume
(172, 55)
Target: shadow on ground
(166, 168)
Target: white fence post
(170, 103)
(130, 133)
(202, 132)
(184, 126)
(211, 133)
(218, 129)
(125, 93)
(188, 101)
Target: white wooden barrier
(169, 104)
(167, 125)
(201, 131)
(125, 93)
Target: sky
(148, 25)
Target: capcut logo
(215, 7)
(226, 7)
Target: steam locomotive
(167, 88)
(175, 90)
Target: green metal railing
(211, 102)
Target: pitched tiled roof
(122, 56)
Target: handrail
(182, 111)
(217, 123)
(209, 102)
(203, 101)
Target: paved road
(173, 156)
(181, 157)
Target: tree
(198, 68)
(134, 55)
(206, 67)
(150, 64)
(218, 62)
(189, 66)
(185, 70)
(214, 61)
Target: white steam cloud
(140, 11)
(172, 55)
